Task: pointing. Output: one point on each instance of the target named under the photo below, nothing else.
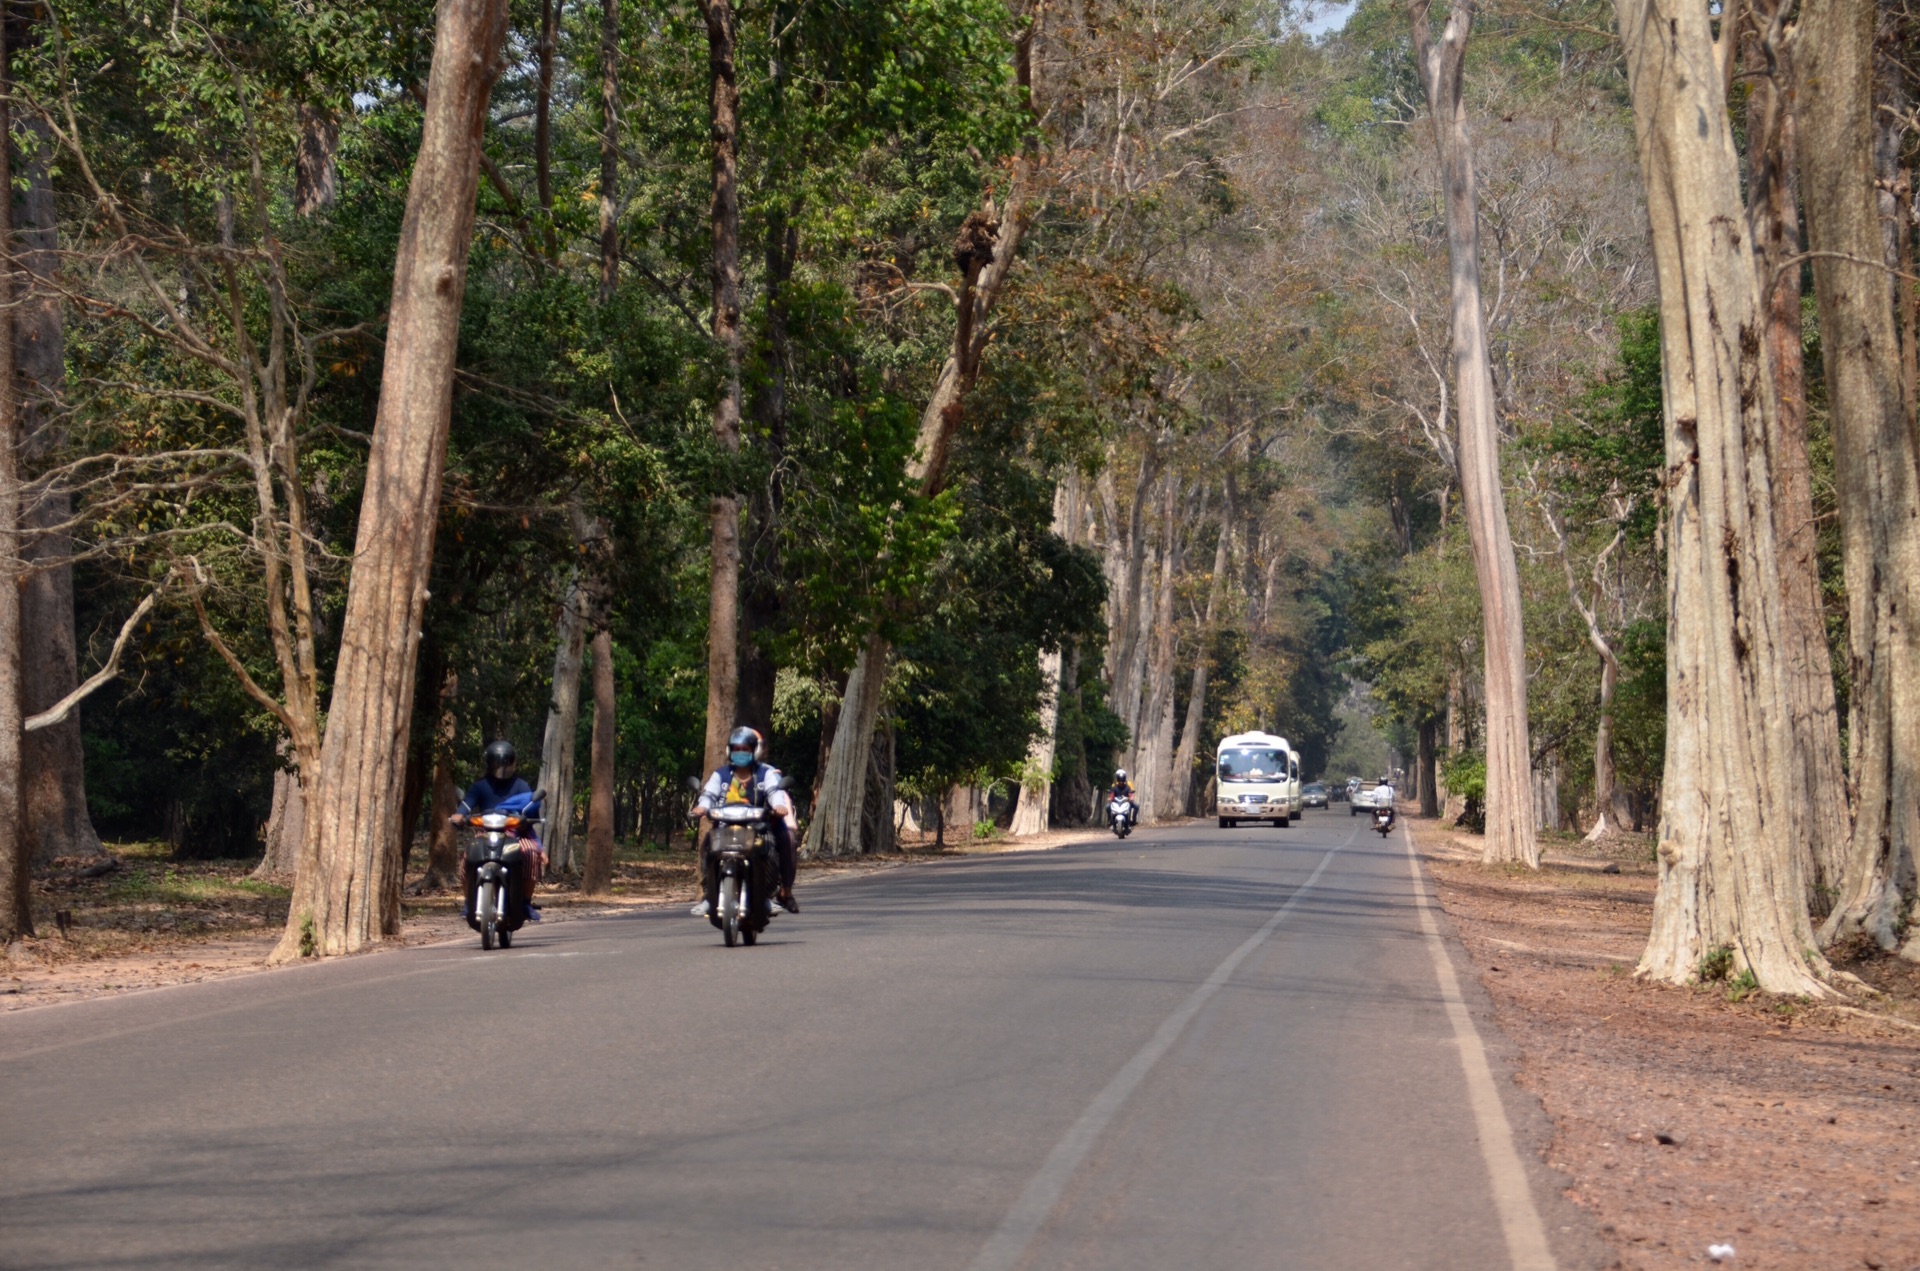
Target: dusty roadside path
(1687, 1118)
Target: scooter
(498, 871)
(1120, 815)
(742, 852)
(1383, 821)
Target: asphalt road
(1195, 1049)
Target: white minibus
(1258, 779)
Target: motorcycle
(1383, 820)
(498, 872)
(1120, 815)
(742, 852)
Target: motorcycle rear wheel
(748, 935)
(506, 939)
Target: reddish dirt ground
(1687, 1118)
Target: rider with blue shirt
(501, 783)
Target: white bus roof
(1254, 739)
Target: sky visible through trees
(976, 396)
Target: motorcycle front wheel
(483, 906)
(730, 910)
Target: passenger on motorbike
(1123, 789)
(501, 783)
(746, 781)
(1383, 798)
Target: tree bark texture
(563, 727)
(348, 855)
(1874, 467)
(1127, 621)
(286, 822)
(1154, 752)
(596, 878)
(1424, 766)
(1511, 832)
(55, 817)
(543, 117)
(1030, 812)
(316, 174)
(1820, 801)
(1180, 790)
(16, 866)
(1730, 877)
(723, 512)
(443, 840)
(609, 148)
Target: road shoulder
(1684, 1118)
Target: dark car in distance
(1314, 795)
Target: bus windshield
(1253, 765)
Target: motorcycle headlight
(494, 821)
(732, 838)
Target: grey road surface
(1048, 1060)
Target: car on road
(1363, 800)
(1314, 795)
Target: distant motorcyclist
(1383, 798)
(1123, 789)
(502, 782)
(745, 781)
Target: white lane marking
(1008, 1245)
(1512, 1197)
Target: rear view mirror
(693, 784)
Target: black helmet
(743, 739)
(500, 754)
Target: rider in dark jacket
(501, 782)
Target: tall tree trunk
(563, 727)
(1154, 752)
(723, 512)
(413, 799)
(609, 148)
(1036, 783)
(761, 605)
(1129, 621)
(316, 174)
(347, 859)
(1820, 804)
(16, 897)
(286, 822)
(1609, 806)
(56, 820)
(1511, 832)
(1030, 813)
(1180, 801)
(597, 878)
(1729, 876)
(1456, 804)
(543, 119)
(1424, 767)
(1874, 467)
(443, 842)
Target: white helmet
(1119, 774)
